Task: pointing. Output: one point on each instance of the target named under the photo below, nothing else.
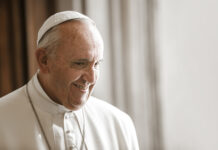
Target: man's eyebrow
(86, 60)
(83, 60)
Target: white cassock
(103, 126)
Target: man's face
(74, 69)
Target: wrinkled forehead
(80, 39)
(74, 30)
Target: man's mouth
(81, 87)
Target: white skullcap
(57, 19)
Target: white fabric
(57, 19)
(107, 128)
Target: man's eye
(79, 63)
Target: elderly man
(54, 110)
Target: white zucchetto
(58, 18)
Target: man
(54, 110)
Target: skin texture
(69, 74)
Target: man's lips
(83, 88)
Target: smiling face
(68, 76)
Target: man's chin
(77, 105)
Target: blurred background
(160, 62)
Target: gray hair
(50, 40)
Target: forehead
(80, 39)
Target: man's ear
(42, 59)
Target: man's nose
(90, 75)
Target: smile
(81, 87)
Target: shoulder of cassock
(103, 108)
(110, 114)
(14, 104)
(13, 98)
